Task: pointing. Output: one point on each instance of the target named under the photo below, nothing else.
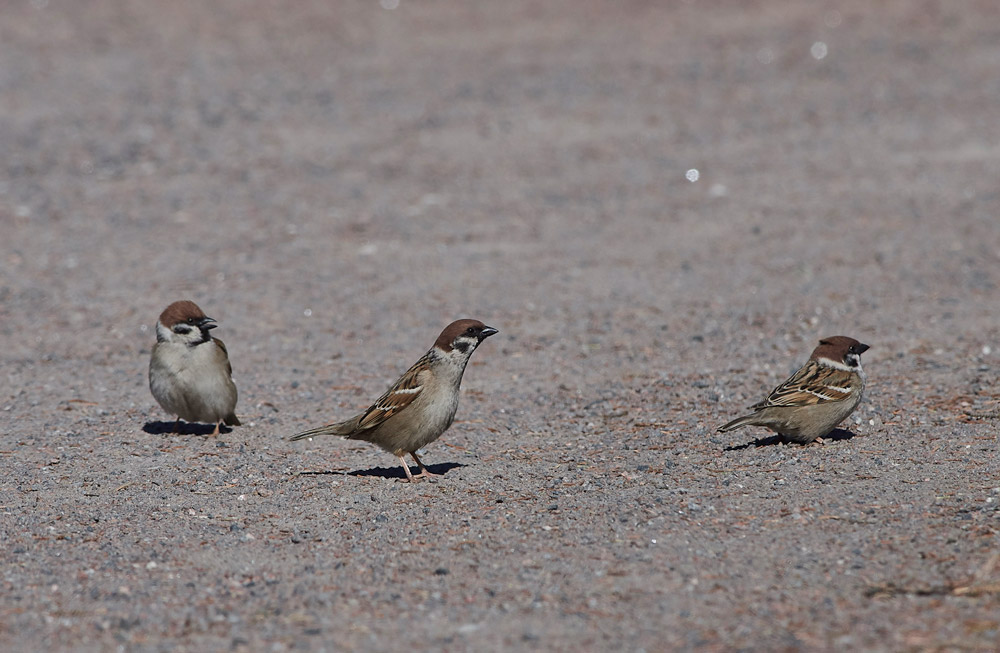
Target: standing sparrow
(816, 398)
(421, 405)
(189, 371)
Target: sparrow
(421, 405)
(189, 371)
(818, 397)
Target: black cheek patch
(460, 345)
(182, 328)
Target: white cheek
(838, 365)
(163, 334)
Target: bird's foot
(423, 470)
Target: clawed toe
(410, 477)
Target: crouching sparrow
(189, 371)
(421, 405)
(818, 397)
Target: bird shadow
(397, 471)
(836, 435)
(184, 428)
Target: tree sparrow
(189, 371)
(816, 398)
(421, 405)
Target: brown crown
(180, 312)
(454, 330)
(836, 348)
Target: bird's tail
(340, 428)
(737, 423)
(232, 420)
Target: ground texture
(335, 182)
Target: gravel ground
(335, 182)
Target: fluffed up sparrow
(189, 371)
(421, 405)
(818, 397)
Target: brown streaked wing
(397, 397)
(222, 346)
(812, 384)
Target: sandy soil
(335, 182)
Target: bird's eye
(471, 331)
(190, 320)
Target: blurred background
(661, 205)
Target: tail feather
(231, 420)
(737, 423)
(343, 429)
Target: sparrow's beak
(207, 323)
(860, 348)
(487, 332)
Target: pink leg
(406, 468)
(423, 470)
